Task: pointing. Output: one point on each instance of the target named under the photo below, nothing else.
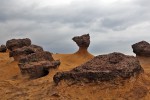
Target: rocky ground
(27, 72)
(15, 87)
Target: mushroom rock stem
(83, 42)
(82, 50)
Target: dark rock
(17, 43)
(26, 50)
(37, 69)
(37, 64)
(103, 68)
(3, 48)
(82, 41)
(141, 48)
(35, 57)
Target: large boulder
(103, 68)
(141, 48)
(37, 64)
(17, 43)
(35, 57)
(3, 48)
(37, 69)
(82, 41)
(26, 50)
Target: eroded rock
(17, 43)
(82, 41)
(35, 57)
(141, 48)
(37, 64)
(3, 48)
(26, 50)
(103, 68)
(37, 69)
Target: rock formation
(102, 68)
(26, 50)
(37, 69)
(83, 42)
(141, 48)
(17, 43)
(3, 48)
(35, 57)
(33, 60)
(37, 64)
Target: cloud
(111, 24)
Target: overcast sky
(114, 25)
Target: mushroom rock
(17, 43)
(82, 41)
(26, 50)
(3, 48)
(103, 68)
(141, 48)
(37, 64)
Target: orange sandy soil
(15, 87)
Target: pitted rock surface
(3, 48)
(17, 43)
(35, 57)
(26, 50)
(82, 41)
(37, 64)
(103, 68)
(141, 48)
(37, 69)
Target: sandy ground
(15, 87)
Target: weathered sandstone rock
(103, 68)
(17, 43)
(141, 48)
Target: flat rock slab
(17, 43)
(35, 57)
(141, 48)
(26, 50)
(103, 68)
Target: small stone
(3, 48)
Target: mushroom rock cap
(82, 41)
(103, 68)
(141, 48)
(17, 43)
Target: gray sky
(114, 25)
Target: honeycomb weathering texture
(26, 50)
(17, 43)
(82, 41)
(37, 64)
(103, 68)
(141, 48)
